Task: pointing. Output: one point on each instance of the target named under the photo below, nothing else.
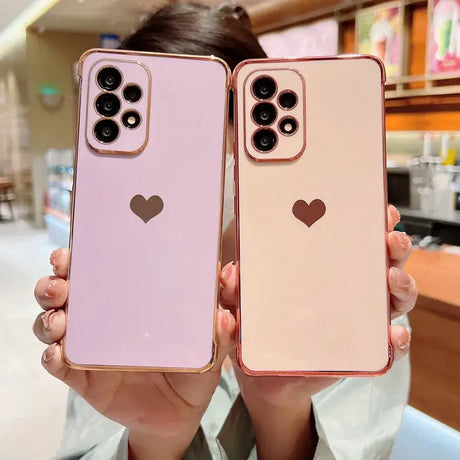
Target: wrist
(284, 431)
(144, 445)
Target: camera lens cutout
(132, 93)
(287, 100)
(264, 88)
(264, 114)
(108, 104)
(131, 119)
(288, 126)
(109, 78)
(106, 131)
(265, 140)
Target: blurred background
(40, 43)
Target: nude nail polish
(49, 353)
(50, 290)
(404, 343)
(47, 317)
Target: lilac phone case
(143, 276)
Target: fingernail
(400, 278)
(53, 260)
(50, 290)
(49, 353)
(404, 240)
(404, 341)
(226, 273)
(47, 318)
(404, 280)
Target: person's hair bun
(237, 12)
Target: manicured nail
(50, 290)
(53, 261)
(47, 318)
(49, 353)
(400, 278)
(404, 240)
(404, 280)
(404, 341)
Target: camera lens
(109, 78)
(131, 119)
(264, 140)
(288, 126)
(132, 93)
(287, 100)
(106, 131)
(107, 104)
(264, 114)
(264, 88)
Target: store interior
(40, 44)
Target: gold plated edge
(239, 357)
(213, 359)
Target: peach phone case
(143, 273)
(313, 278)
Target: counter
(421, 223)
(435, 347)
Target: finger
(60, 259)
(49, 326)
(228, 277)
(393, 217)
(400, 339)
(399, 248)
(403, 290)
(51, 292)
(197, 389)
(52, 361)
(226, 329)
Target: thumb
(228, 282)
(226, 328)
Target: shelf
(432, 86)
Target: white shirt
(356, 418)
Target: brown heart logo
(146, 209)
(309, 213)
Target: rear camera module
(264, 114)
(107, 104)
(288, 126)
(131, 119)
(287, 100)
(109, 78)
(106, 131)
(265, 140)
(132, 93)
(264, 88)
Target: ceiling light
(15, 31)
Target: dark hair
(191, 28)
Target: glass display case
(58, 194)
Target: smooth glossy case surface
(143, 295)
(313, 290)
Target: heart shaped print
(146, 209)
(309, 213)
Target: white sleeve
(358, 418)
(88, 435)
